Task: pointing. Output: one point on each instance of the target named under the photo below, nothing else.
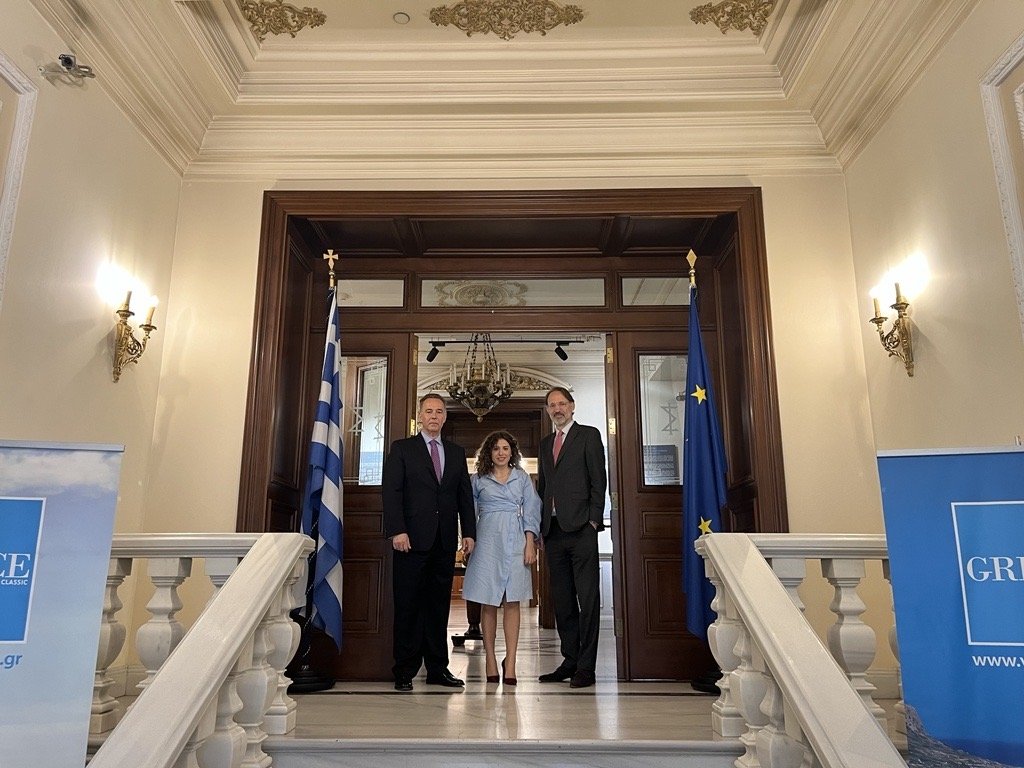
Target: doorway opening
(532, 366)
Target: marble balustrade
(214, 701)
(819, 711)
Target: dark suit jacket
(417, 504)
(576, 485)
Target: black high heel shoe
(493, 678)
(508, 680)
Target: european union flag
(321, 512)
(703, 478)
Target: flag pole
(304, 678)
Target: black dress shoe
(582, 679)
(445, 678)
(707, 683)
(403, 685)
(560, 675)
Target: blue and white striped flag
(323, 496)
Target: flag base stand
(305, 679)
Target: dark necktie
(436, 458)
(558, 444)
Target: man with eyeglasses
(572, 481)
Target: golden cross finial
(691, 257)
(330, 257)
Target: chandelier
(482, 382)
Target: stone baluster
(851, 641)
(900, 708)
(284, 637)
(161, 634)
(105, 710)
(225, 747)
(218, 570)
(726, 720)
(775, 747)
(749, 685)
(791, 572)
(189, 757)
(257, 686)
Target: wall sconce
(127, 348)
(898, 341)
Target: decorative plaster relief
(278, 17)
(505, 17)
(735, 14)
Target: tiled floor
(530, 710)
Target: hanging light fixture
(482, 382)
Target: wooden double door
(646, 497)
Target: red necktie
(558, 444)
(436, 458)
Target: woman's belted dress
(504, 513)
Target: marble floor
(610, 710)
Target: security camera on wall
(67, 68)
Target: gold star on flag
(705, 526)
(699, 393)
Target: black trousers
(422, 588)
(575, 574)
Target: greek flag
(321, 512)
(703, 478)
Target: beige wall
(926, 184)
(93, 190)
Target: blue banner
(954, 524)
(56, 522)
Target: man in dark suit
(426, 493)
(572, 481)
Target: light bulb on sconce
(898, 340)
(127, 348)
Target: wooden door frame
(733, 264)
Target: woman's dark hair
(484, 462)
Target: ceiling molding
(603, 145)
(883, 60)
(157, 97)
(509, 86)
(813, 88)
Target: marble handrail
(797, 705)
(220, 668)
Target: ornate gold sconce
(127, 348)
(898, 341)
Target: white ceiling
(635, 85)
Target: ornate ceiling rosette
(505, 17)
(277, 17)
(735, 14)
(481, 293)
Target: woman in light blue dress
(507, 524)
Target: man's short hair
(563, 390)
(432, 396)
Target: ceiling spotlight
(432, 354)
(562, 354)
